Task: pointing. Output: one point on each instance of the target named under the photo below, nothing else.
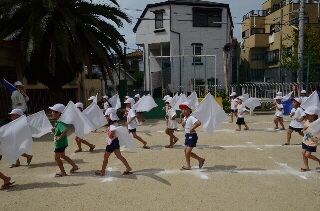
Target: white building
(172, 32)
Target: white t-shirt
(233, 104)
(133, 123)
(279, 113)
(298, 113)
(241, 108)
(189, 123)
(16, 98)
(109, 130)
(172, 124)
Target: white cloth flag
(136, 104)
(245, 96)
(252, 103)
(72, 115)
(115, 101)
(95, 100)
(39, 124)
(182, 98)
(93, 113)
(313, 100)
(314, 128)
(210, 114)
(287, 97)
(175, 98)
(16, 139)
(145, 104)
(125, 138)
(193, 99)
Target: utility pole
(301, 43)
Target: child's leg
(312, 157)
(305, 159)
(275, 121)
(231, 117)
(78, 144)
(239, 127)
(29, 158)
(66, 158)
(289, 132)
(167, 131)
(105, 162)
(5, 179)
(281, 123)
(246, 126)
(91, 146)
(57, 157)
(188, 154)
(123, 160)
(134, 134)
(301, 133)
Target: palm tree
(58, 37)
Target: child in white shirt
(279, 113)
(241, 110)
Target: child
(303, 96)
(296, 123)
(279, 113)
(79, 140)
(171, 124)
(6, 180)
(127, 108)
(309, 142)
(233, 106)
(132, 124)
(112, 143)
(241, 110)
(106, 104)
(190, 123)
(61, 141)
(15, 114)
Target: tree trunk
(56, 95)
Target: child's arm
(194, 126)
(131, 119)
(174, 117)
(58, 138)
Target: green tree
(139, 77)
(58, 37)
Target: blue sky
(134, 9)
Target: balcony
(258, 41)
(255, 13)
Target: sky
(134, 9)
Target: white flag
(72, 115)
(193, 99)
(16, 139)
(115, 101)
(39, 124)
(95, 100)
(314, 128)
(287, 97)
(252, 103)
(125, 138)
(210, 114)
(175, 98)
(182, 98)
(94, 114)
(145, 104)
(313, 100)
(245, 96)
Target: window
(206, 17)
(287, 52)
(272, 57)
(245, 34)
(158, 20)
(257, 31)
(275, 28)
(197, 51)
(257, 57)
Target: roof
(135, 54)
(187, 3)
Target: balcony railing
(255, 13)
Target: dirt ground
(246, 170)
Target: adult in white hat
(279, 113)
(309, 141)
(297, 116)
(303, 96)
(19, 98)
(233, 106)
(80, 141)
(15, 114)
(132, 123)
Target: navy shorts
(60, 150)
(240, 121)
(132, 130)
(295, 129)
(113, 146)
(233, 110)
(308, 148)
(191, 140)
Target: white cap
(185, 105)
(233, 94)
(278, 98)
(18, 83)
(166, 97)
(137, 95)
(303, 92)
(311, 110)
(169, 100)
(112, 113)
(279, 93)
(79, 105)
(58, 107)
(126, 97)
(105, 97)
(92, 98)
(298, 99)
(130, 100)
(240, 98)
(17, 111)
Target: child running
(171, 123)
(296, 123)
(79, 140)
(309, 142)
(112, 143)
(190, 123)
(278, 119)
(233, 106)
(241, 110)
(61, 141)
(132, 123)
(6, 180)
